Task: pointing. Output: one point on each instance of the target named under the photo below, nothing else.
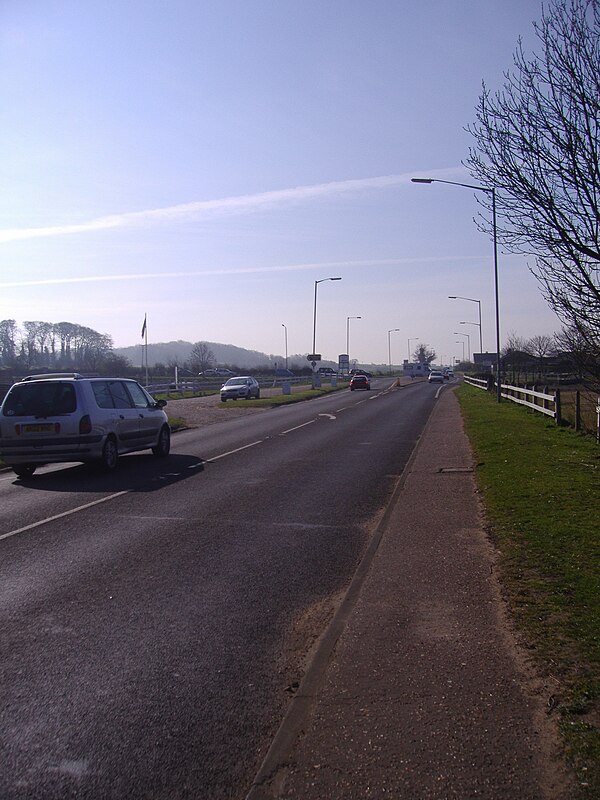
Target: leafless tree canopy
(57, 345)
(424, 354)
(202, 357)
(537, 142)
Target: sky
(205, 163)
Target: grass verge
(541, 488)
(294, 397)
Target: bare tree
(514, 356)
(201, 357)
(8, 342)
(424, 354)
(540, 347)
(537, 142)
(584, 362)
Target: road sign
(314, 357)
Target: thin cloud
(328, 265)
(227, 205)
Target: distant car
(63, 417)
(359, 382)
(327, 371)
(284, 373)
(360, 372)
(243, 386)
(435, 377)
(217, 373)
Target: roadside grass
(541, 489)
(285, 399)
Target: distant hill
(171, 353)
(226, 355)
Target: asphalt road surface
(154, 622)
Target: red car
(359, 382)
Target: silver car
(243, 386)
(435, 376)
(65, 417)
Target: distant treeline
(60, 345)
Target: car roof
(71, 376)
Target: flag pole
(145, 350)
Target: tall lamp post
(315, 310)
(456, 297)
(460, 341)
(348, 336)
(286, 350)
(473, 323)
(491, 192)
(390, 347)
(412, 339)
(458, 333)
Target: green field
(541, 488)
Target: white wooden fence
(543, 402)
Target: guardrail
(214, 385)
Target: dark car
(217, 373)
(359, 382)
(360, 372)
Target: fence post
(490, 383)
(557, 408)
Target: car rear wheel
(24, 470)
(164, 443)
(110, 455)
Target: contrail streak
(205, 208)
(238, 271)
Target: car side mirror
(160, 404)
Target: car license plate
(39, 427)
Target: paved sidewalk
(422, 695)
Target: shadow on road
(134, 473)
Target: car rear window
(40, 399)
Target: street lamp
(463, 346)
(456, 297)
(286, 350)
(315, 310)
(492, 192)
(458, 333)
(390, 347)
(348, 337)
(412, 339)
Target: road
(156, 621)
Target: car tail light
(85, 424)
